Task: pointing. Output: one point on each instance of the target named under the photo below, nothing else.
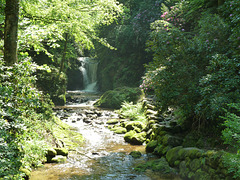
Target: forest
(183, 53)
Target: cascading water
(89, 71)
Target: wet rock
(135, 138)
(135, 154)
(119, 130)
(51, 152)
(58, 159)
(61, 151)
(151, 146)
(132, 125)
(112, 121)
(87, 120)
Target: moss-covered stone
(119, 130)
(112, 121)
(114, 98)
(58, 159)
(172, 155)
(195, 164)
(51, 152)
(135, 138)
(132, 125)
(136, 154)
(151, 146)
(61, 151)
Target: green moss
(151, 146)
(135, 138)
(61, 151)
(114, 98)
(172, 155)
(119, 130)
(136, 154)
(112, 121)
(62, 132)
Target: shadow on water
(103, 156)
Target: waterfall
(89, 71)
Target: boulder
(119, 130)
(58, 159)
(135, 154)
(151, 146)
(61, 151)
(135, 138)
(112, 121)
(114, 98)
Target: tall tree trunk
(11, 31)
(64, 54)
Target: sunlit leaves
(46, 21)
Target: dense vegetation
(190, 50)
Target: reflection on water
(104, 155)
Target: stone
(61, 151)
(134, 124)
(119, 130)
(135, 138)
(172, 155)
(51, 152)
(58, 159)
(151, 146)
(112, 121)
(135, 154)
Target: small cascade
(89, 71)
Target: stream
(104, 155)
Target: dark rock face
(75, 79)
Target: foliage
(181, 52)
(133, 111)
(129, 36)
(45, 22)
(19, 107)
(231, 134)
(232, 163)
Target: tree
(11, 31)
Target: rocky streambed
(104, 153)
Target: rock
(172, 155)
(132, 125)
(58, 159)
(135, 138)
(136, 154)
(114, 98)
(27, 172)
(151, 112)
(119, 130)
(51, 152)
(112, 121)
(61, 151)
(151, 146)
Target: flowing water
(103, 156)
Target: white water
(89, 72)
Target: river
(104, 155)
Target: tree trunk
(64, 54)
(11, 31)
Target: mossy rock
(61, 151)
(172, 155)
(151, 146)
(112, 121)
(51, 152)
(200, 175)
(27, 172)
(159, 165)
(190, 152)
(135, 154)
(169, 140)
(119, 130)
(135, 125)
(114, 98)
(135, 138)
(59, 159)
(195, 164)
